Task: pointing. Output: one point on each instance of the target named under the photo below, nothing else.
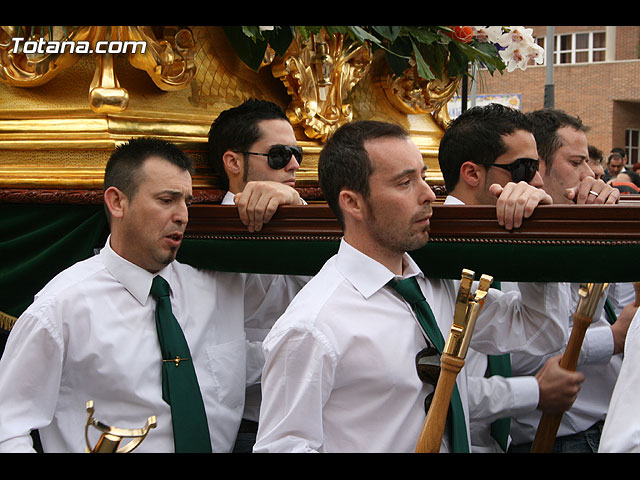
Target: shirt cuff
(526, 393)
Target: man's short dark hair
(125, 163)
(546, 123)
(620, 151)
(345, 163)
(237, 129)
(477, 136)
(595, 154)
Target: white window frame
(633, 149)
(572, 51)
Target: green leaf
(423, 36)
(362, 35)
(458, 61)
(250, 52)
(388, 33)
(423, 68)
(280, 39)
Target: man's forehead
(161, 172)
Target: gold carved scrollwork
(319, 73)
(411, 94)
(167, 57)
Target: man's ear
(472, 174)
(351, 204)
(116, 201)
(233, 163)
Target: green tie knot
(409, 289)
(159, 287)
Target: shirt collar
(368, 275)
(451, 200)
(228, 199)
(134, 279)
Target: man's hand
(517, 201)
(591, 191)
(559, 387)
(621, 326)
(260, 200)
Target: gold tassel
(7, 321)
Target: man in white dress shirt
(252, 147)
(563, 150)
(90, 333)
(340, 373)
(621, 430)
(473, 153)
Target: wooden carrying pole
(452, 360)
(430, 437)
(590, 295)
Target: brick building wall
(605, 95)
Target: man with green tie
(340, 372)
(485, 150)
(135, 331)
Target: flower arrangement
(436, 50)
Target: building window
(583, 47)
(632, 145)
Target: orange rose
(462, 34)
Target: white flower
(517, 34)
(517, 55)
(535, 52)
(265, 29)
(487, 34)
(519, 48)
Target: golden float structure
(62, 113)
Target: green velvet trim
(300, 257)
(508, 262)
(39, 241)
(524, 262)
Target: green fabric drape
(38, 241)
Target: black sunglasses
(428, 368)
(522, 169)
(280, 155)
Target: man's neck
(392, 260)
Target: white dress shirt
(621, 432)
(253, 397)
(90, 335)
(599, 366)
(495, 397)
(340, 363)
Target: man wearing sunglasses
(253, 150)
(563, 149)
(485, 150)
(341, 373)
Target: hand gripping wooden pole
(452, 361)
(590, 295)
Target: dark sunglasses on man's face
(522, 169)
(428, 368)
(280, 155)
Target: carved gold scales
(319, 73)
(168, 59)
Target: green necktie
(411, 292)
(611, 313)
(180, 387)
(500, 365)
